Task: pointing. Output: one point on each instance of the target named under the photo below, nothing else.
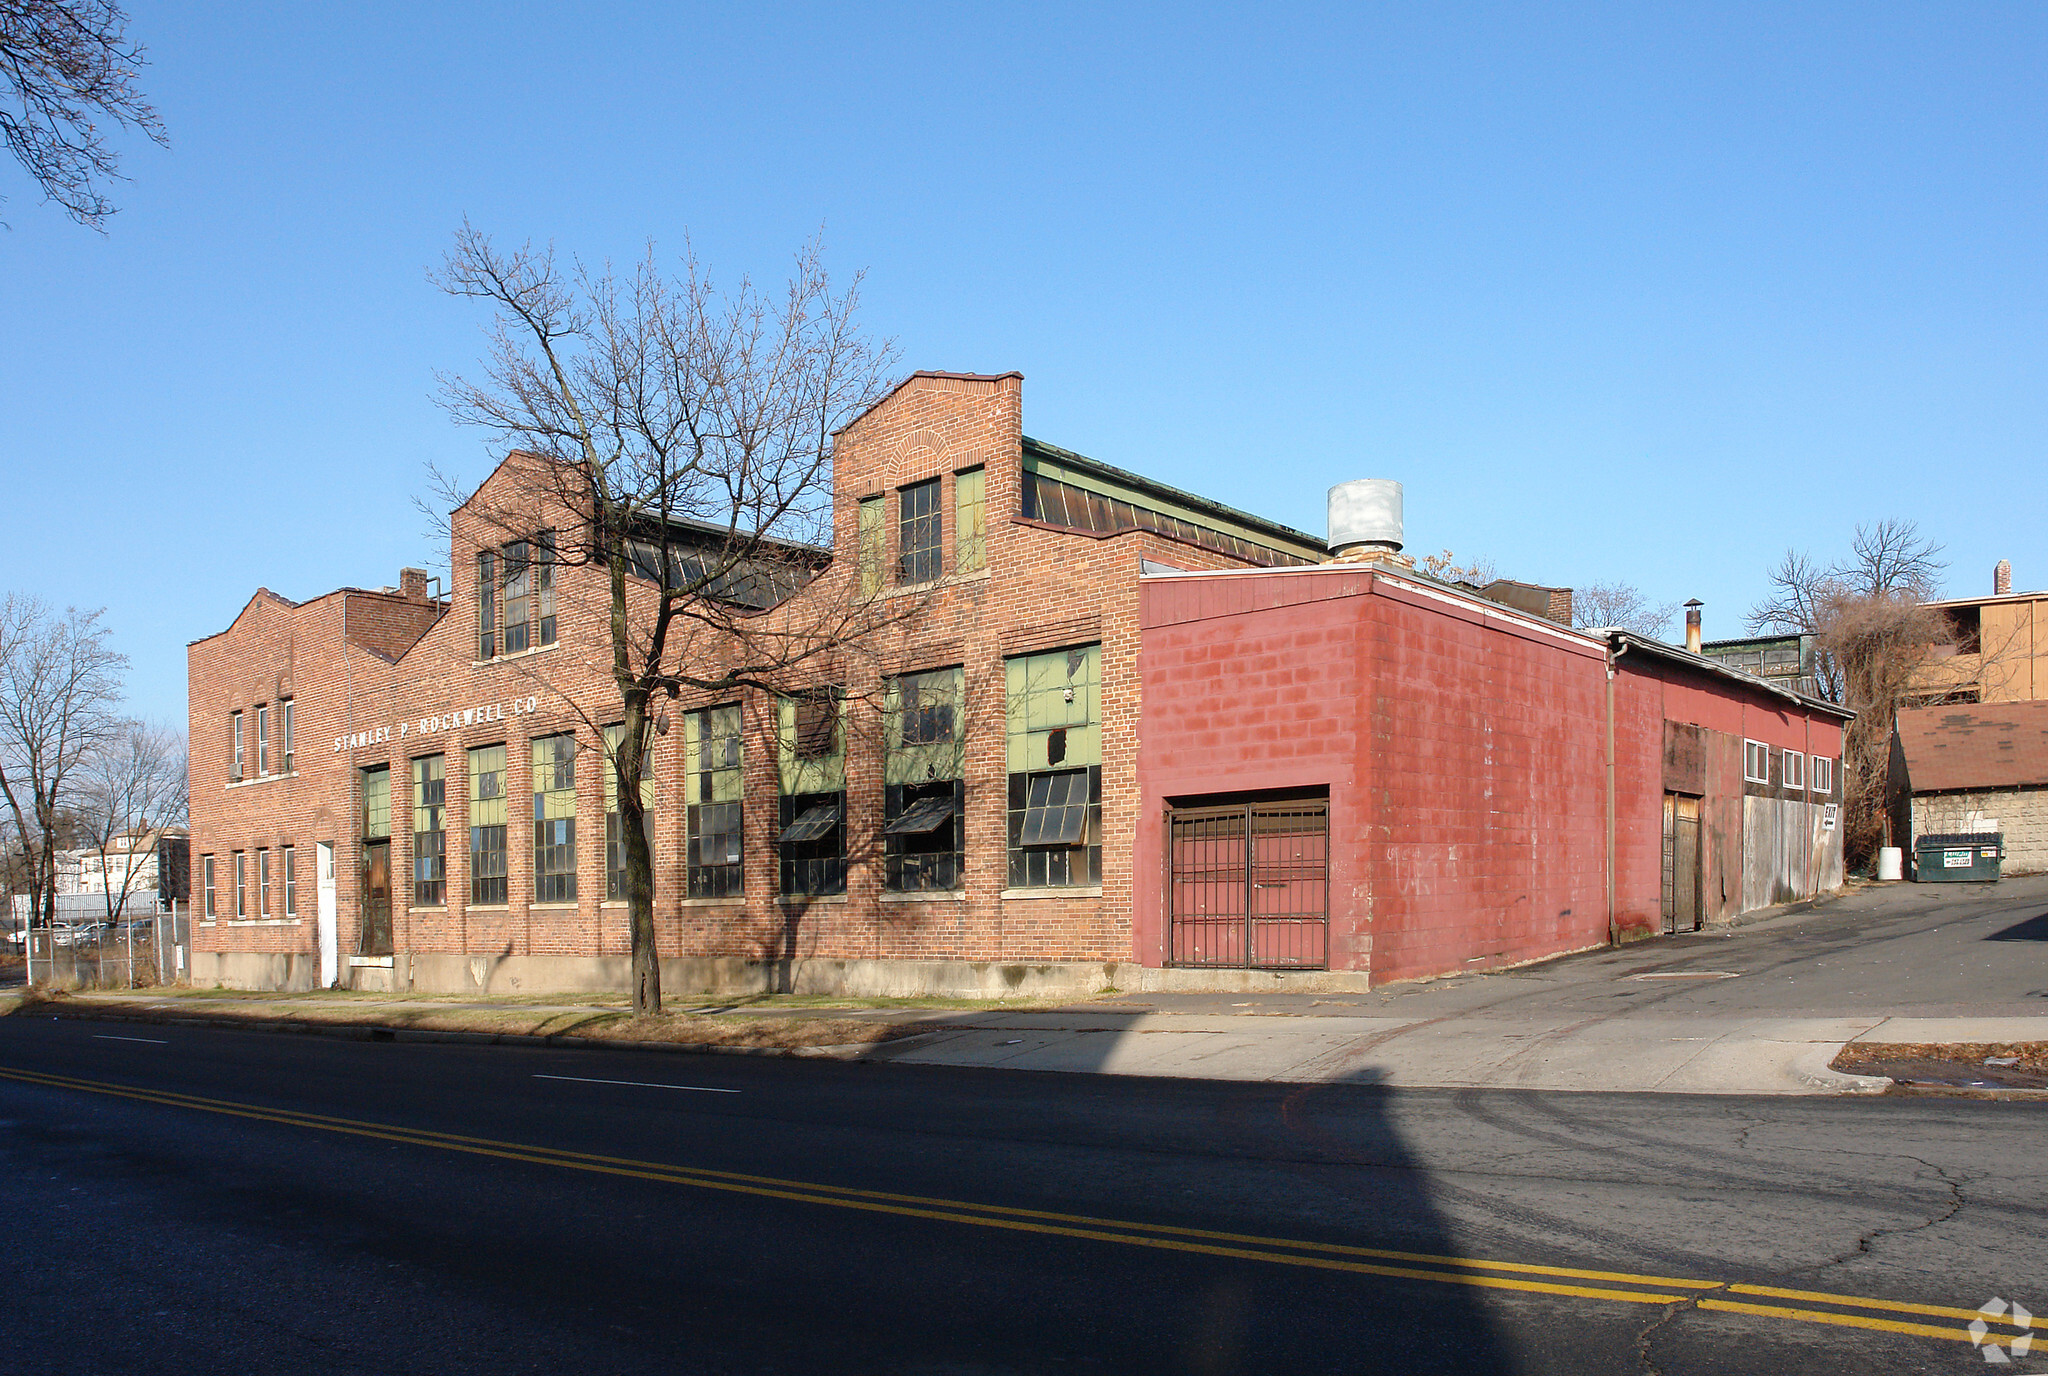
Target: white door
(330, 956)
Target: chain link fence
(148, 944)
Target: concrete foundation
(956, 979)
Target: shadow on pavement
(2033, 929)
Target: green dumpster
(1953, 857)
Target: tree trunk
(639, 857)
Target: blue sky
(1631, 292)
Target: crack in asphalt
(1664, 1319)
(1865, 1241)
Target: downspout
(1615, 650)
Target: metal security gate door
(1681, 863)
(1250, 886)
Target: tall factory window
(554, 819)
(211, 909)
(812, 840)
(429, 832)
(918, 537)
(713, 789)
(291, 882)
(262, 739)
(241, 886)
(377, 803)
(486, 604)
(923, 792)
(284, 712)
(518, 596)
(614, 827)
(1053, 707)
(235, 735)
(544, 583)
(870, 554)
(970, 521)
(487, 824)
(263, 882)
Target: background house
(1974, 767)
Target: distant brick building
(398, 789)
(1974, 767)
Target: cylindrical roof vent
(1366, 513)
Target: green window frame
(870, 539)
(970, 520)
(554, 818)
(715, 790)
(377, 803)
(1053, 723)
(487, 820)
(810, 837)
(614, 826)
(430, 832)
(923, 782)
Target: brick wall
(1042, 589)
(2021, 815)
(1464, 753)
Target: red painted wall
(1463, 748)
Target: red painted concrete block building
(1355, 768)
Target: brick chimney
(412, 584)
(2001, 579)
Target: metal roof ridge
(1178, 494)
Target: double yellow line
(1848, 1311)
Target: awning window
(924, 815)
(813, 824)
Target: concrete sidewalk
(1762, 1009)
(1676, 1054)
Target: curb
(362, 1032)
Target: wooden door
(376, 898)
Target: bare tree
(129, 791)
(1877, 643)
(1872, 634)
(1447, 566)
(60, 683)
(691, 430)
(67, 65)
(1623, 605)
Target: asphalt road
(1903, 950)
(194, 1200)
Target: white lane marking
(637, 1084)
(110, 1037)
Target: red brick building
(1357, 768)
(1027, 780)
(404, 788)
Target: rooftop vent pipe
(1365, 518)
(1692, 625)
